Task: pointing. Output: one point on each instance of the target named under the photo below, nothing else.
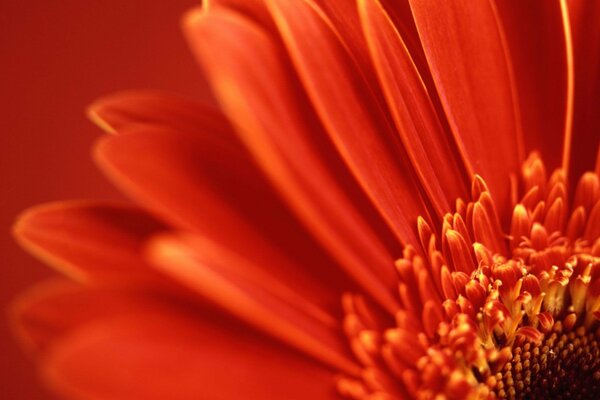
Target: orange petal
(401, 16)
(143, 111)
(351, 114)
(584, 17)
(117, 111)
(198, 188)
(466, 50)
(52, 309)
(413, 112)
(253, 9)
(251, 81)
(342, 14)
(536, 39)
(246, 290)
(144, 348)
(91, 241)
(344, 18)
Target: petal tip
(95, 113)
(28, 220)
(192, 17)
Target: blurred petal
(200, 189)
(351, 114)
(252, 83)
(91, 241)
(253, 9)
(117, 111)
(181, 353)
(179, 360)
(420, 129)
(51, 310)
(246, 290)
(143, 111)
(466, 51)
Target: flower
(391, 203)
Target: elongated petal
(584, 16)
(253, 9)
(91, 241)
(351, 114)
(181, 352)
(178, 361)
(251, 81)
(200, 189)
(119, 110)
(342, 14)
(536, 39)
(415, 117)
(241, 287)
(51, 310)
(401, 15)
(466, 50)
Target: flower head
(359, 218)
(486, 315)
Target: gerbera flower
(395, 200)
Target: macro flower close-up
(382, 199)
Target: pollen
(564, 365)
(491, 305)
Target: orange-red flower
(395, 200)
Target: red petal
(253, 9)
(91, 242)
(120, 110)
(219, 195)
(251, 81)
(138, 110)
(351, 114)
(143, 348)
(165, 357)
(466, 51)
(245, 289)
(584, 17)
(342, 14)
(51, 310)
(414, 114)
(536, 38)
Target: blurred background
(55, 58)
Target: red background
(55, 58)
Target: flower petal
(584, 17)
(351, 114)
(91, 241)
(413, 112)
(198, 188)
(536, 38)
(179, 361)
(51, 310)
(252, 83)
(342, 14)
(181, 352)
(245, 289)
(466, 51)
(253, 9)
(116, 111)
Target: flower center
(485, 314)
(564, 365)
